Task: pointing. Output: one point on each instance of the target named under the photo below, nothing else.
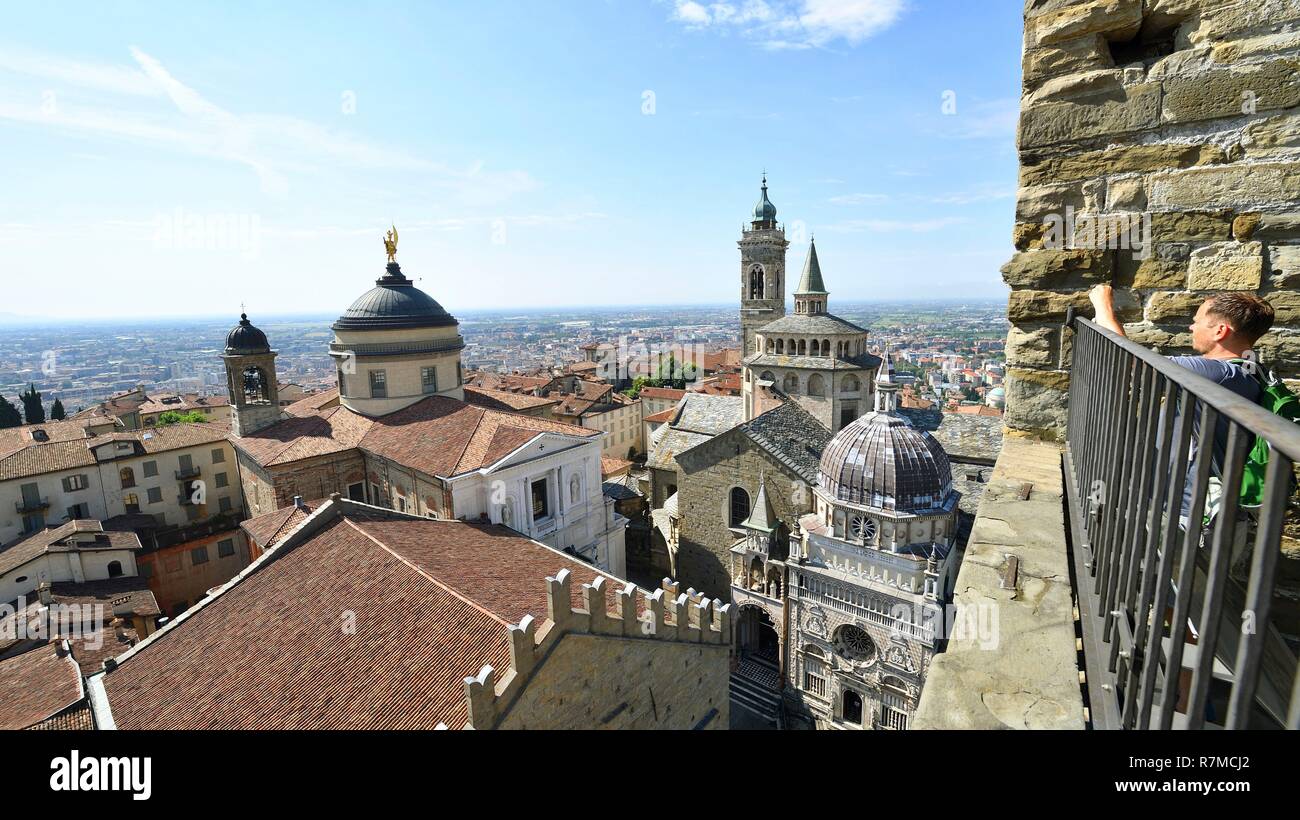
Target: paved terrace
(1030, 679)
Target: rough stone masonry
(1160, 152)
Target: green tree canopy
(33, 410)
(9, 415)
(57, 413)
(173, 417)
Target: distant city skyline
(581, 155)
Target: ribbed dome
(246, 340)
(882, 461)
(395, 303)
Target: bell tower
(762, 271)
(251, 379)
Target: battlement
(627, 612)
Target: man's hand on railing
(1103, 307)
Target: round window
(854, 643)
(863, 528)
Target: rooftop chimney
(43, 590)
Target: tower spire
(886, 385)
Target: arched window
(780, 345)
(826, 347)
(739, 507)
(791, 383)
(128, 477)
(852, 707)
(114, 569)
(803, 347)
(255, 388)
(768, 377)
(756, 284)
(850, 384)
(816, 349)
(816, 385)
(770, 346)
(791, 347)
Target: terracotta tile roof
(181, 403)
(77, 717)
(613, 466)
(38, 685)
(128, 595)
(509, 382)
(267, 530)
(432, 600)
(662, 393)
(335, 430)
(314, 403)
(80, 535)
(663, 415)
(503, 400)
(37, 458)
(91, 653)
(438, 436)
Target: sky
(184, 159)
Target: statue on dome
(390, 244)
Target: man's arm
(1103, 307)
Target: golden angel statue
(390, 244)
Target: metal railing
(1171, 639)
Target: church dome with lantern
(881, 461)
(883, 483)
(396, 345)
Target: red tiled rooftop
(37, 685)
(438, 436)
(432, 601)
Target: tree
(9, 415)
(33, 410)
(172, 417)
(57, 413)
(635, 390)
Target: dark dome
(246, 340)
(395, 303)
(882, 461)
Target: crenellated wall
(658, 661)
(1160, 153)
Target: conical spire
(886, 386)
(811, 282)
(762, 516)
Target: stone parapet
(1011, 661)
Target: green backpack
(1278, 400)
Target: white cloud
(272, 146)
(793, 24)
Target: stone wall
(1167, 133)
(270, 489)
(602, 682)
(709, 472)
(653, 661)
